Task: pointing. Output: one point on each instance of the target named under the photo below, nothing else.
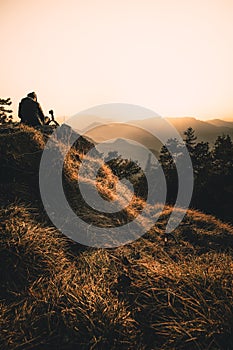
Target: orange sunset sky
(172, 56)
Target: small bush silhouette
(5, 114)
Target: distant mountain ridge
(101, 130)
(220, 122)
(205, 130)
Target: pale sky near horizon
(172, 56)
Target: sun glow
(172, 56)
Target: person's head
(32, 95)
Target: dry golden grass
(150, 294)
(145, 295)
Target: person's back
(30, 111)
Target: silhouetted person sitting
(30, 111)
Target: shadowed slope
(150, 294)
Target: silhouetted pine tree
(190, 140)
(168, 156)
(213, 173)
(130, 170)
(202, 168)
(5, 116)
(223, 155)
(220, 184)
(201, 157)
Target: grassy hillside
(155, 293)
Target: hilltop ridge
(155, 293)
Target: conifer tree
(223, 154)
(190, 140)
(201, 157)
(5, 113)
(169, 155)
